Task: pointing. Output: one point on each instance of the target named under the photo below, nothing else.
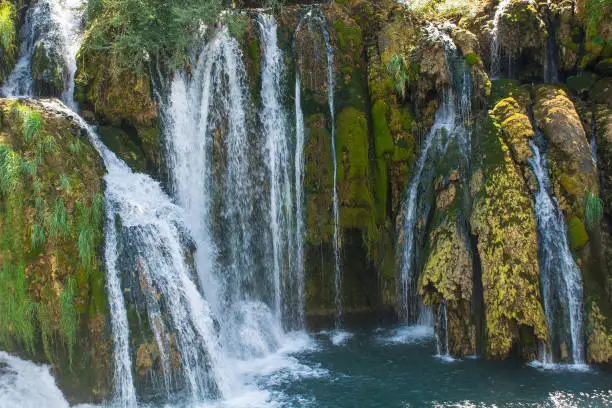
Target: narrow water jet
(331, 84)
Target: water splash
(559, 275)
(26, 385)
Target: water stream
(449, 126)
(559, 275)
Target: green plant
(593, 210)
(397, 68)
(38, 236)
(137, 32)
(46, 330)
(85, 241)
(68, 318)
(28, 168)
(10, 166)
(75, 147)
(64, 183)
(32, 125)
(58, 223)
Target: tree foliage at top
(138, 31)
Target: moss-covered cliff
(52, 298)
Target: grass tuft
(32, 125)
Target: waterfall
(450, 123)
(275, 128)
(495, 45)
(551, 72)
(56, 25)
(331, 83)
(441, 333)
(156, 235)
(560, 277)
(232, 172)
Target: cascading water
(54, 24)
(155, 232)
(551, 72)
(275, 129)
(559, 275)
(495, 45)
(214, 100)
(232, 172)
(449, 125)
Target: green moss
(381, 188)
(347, 34)
(123, 146)
(504, 223)
(383, 140)
(472, 59)
(581, 83)
(578, 236)
(8, 39)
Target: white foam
(580, 368)
(24, 384)
(409, 335)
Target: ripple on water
(558, 399)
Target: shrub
(139, 31)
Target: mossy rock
(503, 222)
(582, 83)
(52, 298)
(119, 98)
(47, 71)
(123, 146)
(578, 236)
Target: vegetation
(42, 277)
(136, 32)
(593, 210)
(8, 36)
(397, 68)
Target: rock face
(123, 103)
(52, 300)
(504, 226)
